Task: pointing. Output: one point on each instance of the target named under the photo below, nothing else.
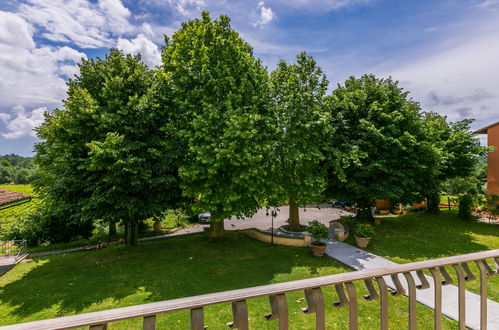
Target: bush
(38, 228)
(465, 207)
(364, 230)
(317, 230)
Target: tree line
(17, 169)
(212, 130)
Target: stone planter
(318, 248)
(362, 242)
(157, 225)
(338, 231)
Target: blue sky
(446, 53)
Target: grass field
(421, 236)
(179, 267)
(13, 213)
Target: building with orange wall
(492, 132)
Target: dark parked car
(204, 217)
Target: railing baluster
(98, 327)
(484, 274)
(447, 279)
(315, 301)
(412, 300)
(469, 274)
(353, 305)
(383, 303)
(372, 295)
(399, 289)
(279, 310)
(496, 262)
(341, 294)
(461, 295)
(240, 313)
(149, 323)
(437, 283)
(424, 282)
(197, 319)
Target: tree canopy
(220, 94)
(107, 155)
(17, 169)
(377, 122)
(300, 126)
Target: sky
(445, 53)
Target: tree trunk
(131, 233)
(112, 228)
(294, 216)
(433, 202)
(216, 229)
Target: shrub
(465, 206)
(317, 230)
(364, 230)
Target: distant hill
(17, 169)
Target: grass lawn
(179, 267)
(417, 237)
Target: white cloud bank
(23, 124)
(266, 15)
(460, 82)
(79, 22)
(148, 49)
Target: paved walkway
(359, 259)
(7, 262)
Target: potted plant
(363, 233)
(318, 231)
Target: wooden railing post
(437, 284)
(278, 310)
(484, 274)
(197, 319)
(240, 313)
(315, 301)
(149, 323)
(98, 327)
(461, 296)
(383, 303)
(412, 300)
(353, 306)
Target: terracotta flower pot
(377, 221)
(362, 242)
(398, 212)
(318, 248)
(405, 212)
(384, 212)
(156, 225)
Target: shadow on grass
(174, 268)
(424, 236)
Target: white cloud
(148, 49)
(185, 7)
(266, 14)
(23, 124)
(4, 117)
(80, 22)
(460, 82)
(30, 75)
(320, 5)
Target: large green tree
(458, 154)
(107, 154)
(220, 94)
(376, 120)
(297, 162)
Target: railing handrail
(144, 310)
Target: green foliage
(17, 169)
(458, 153)
(220, 95)
(364, 230)
(299, 122)
(317, 229)
(107, 154)
(465, 207)
(380, 130)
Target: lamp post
(273, 214)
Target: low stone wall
(279, 237)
